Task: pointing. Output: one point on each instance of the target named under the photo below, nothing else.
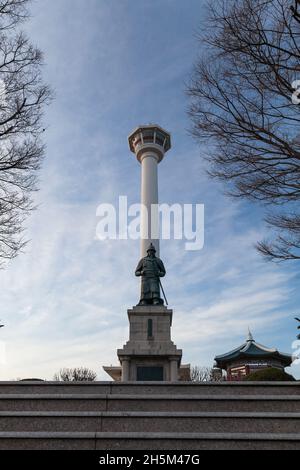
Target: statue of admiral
(151, 269)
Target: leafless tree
(78, 374)
(204, 374)
(22, 98)
(241, 105)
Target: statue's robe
(151, 269)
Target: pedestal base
(150, 354)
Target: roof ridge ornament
(250, 336)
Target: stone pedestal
(150, 353)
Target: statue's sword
(162, 289)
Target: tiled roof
(252, 349)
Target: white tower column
(149, 144)
(149, 203)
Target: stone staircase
(149, 415)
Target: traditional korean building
(249, 357)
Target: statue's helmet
(151, 248)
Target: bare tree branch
(241, 106)
(296, 10)
(204, 374)
(78, 374)
(22, 98)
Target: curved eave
(230, 354)
(224, 361)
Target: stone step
(156, 402)
(147, 441)
(151, 388)
(127, 422)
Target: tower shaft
(149, 203)
(149, 144)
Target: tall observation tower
(150, 353)
(149, 144)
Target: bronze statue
(151, 269)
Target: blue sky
(113, 65)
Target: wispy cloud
(64, 301)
